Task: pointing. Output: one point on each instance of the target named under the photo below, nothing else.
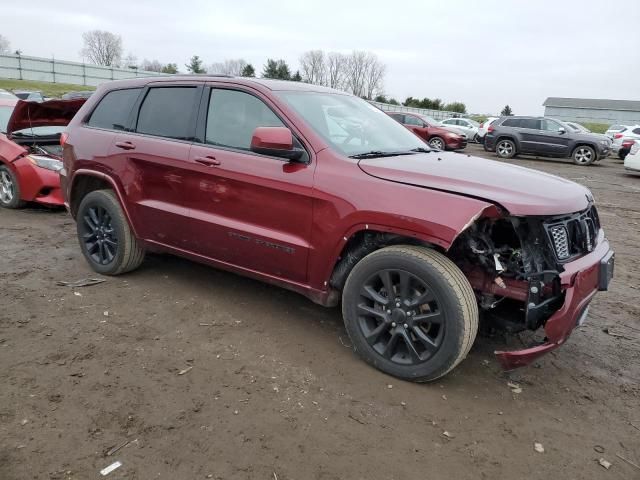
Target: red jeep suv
(319, 192)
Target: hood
(519, 190)
(51, 113)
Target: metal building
(626, 112)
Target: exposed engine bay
(513, 264)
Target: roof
(270, 84)
(593, 103)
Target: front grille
(560, 239)
(574, 235)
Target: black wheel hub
(400, 318)
(98, 235)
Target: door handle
(209, 161)
(125, 145)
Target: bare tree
(130, 61)
(5, 45)
(357, 71)
(336, 69)
(314, 68)
(374, 76)
(151, 65)
(102, 47)
(228, 67)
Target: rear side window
(511, 122)
(397, 117)
(636, 131)
(168, 112)
(113, 110)
(234, 115)
(530, 123)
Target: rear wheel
(584, 155)
(9, 189)
(410, 312)
(437, 143)
(105, 237)
(505, 148)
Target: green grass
(53, 90)
(596, 127)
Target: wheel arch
(85, 181)
(508, 137)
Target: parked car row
(319, 192)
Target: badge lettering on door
(264, 243)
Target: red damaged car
(430, 131)
(319, 192)
(30, 150)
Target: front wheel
(105, 237)
(437, 143)
(9, 189)
(584, 155)
(410, 312)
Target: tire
(622, 154)
(437, 143)
(505, 148)
(432, 329)
(584, 155)
(105, 238)
(9, 189)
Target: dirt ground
(197, 373)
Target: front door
(248, 210)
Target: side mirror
(275, 142)
(562, 130)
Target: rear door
(249, 210)
(527, 130)
(154, 161)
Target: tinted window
(550, 125)
(511, 122)
(530, 123)
(397, 116)
(636, 131)
(234, 115)
(113, 110)
(167, 112)
(410, 120)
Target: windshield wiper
(421, 150)
(379, 153)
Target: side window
(636, 131)
(449, 122)
(167, 112)
(511, 122)
(234, 115)
(397, 117)
(411, 120)
(113, 110)
(550, 125)
(530, 123)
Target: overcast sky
(484, 53)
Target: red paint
(286, 223)
(36, 184)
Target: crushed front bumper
(581, 280)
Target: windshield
(430, 120)
(351, 125)
(5, 113)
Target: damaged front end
(522, 272)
